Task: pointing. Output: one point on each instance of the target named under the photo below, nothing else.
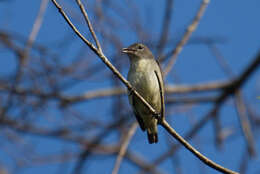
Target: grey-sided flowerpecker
(146, 78)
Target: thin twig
(220, 59)
(83, 10)
(90, 45)
(218, 131)
(244, 162)
(166, 26)
(142, 162)
(36, 27)
(244, 122)
(123, 148)
(204, 159)
(186, 36)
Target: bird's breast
(142, 77)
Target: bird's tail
(152, 134)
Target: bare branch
(191, 100)
(202, 87)
(90, 45)
(219, 102)
(244, 122)
(123, 147)
(186, 36)
(204, 159)
(136, 159)
(166, 26)
(89, 24)
(36, 27)
(104, 59)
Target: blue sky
(235, 23)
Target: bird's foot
(130, 91)
(157, 116)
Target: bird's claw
(130, 91)
(157, 116)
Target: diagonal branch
(251, 68)
(104, 59)
(83, 10)
(36, 28)
(124, 146)
(90, 45)
(204, 159)
(186, 36)
(245, 124)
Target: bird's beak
(127, 50)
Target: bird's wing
(159, 76)
(139, 119)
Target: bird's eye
(140, 47)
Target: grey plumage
(142, 76)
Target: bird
(146, 78)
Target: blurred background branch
(62, 111)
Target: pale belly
(146, 85)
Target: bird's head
(138, 51)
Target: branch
(223, 96)
(87, 151)
(227, 92)
(204, 159)
(124, 146)
(190, 134)
(191, 100)
(166, 26)
(116, 91)
(239, 102)
(65, 134)
(142, 163)
(244, 123)
(241, 80)
(36, 27)
(104, 58)
(89, 24)
(169, 89)
(186, 36)
(202, 87)
(90, 45)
